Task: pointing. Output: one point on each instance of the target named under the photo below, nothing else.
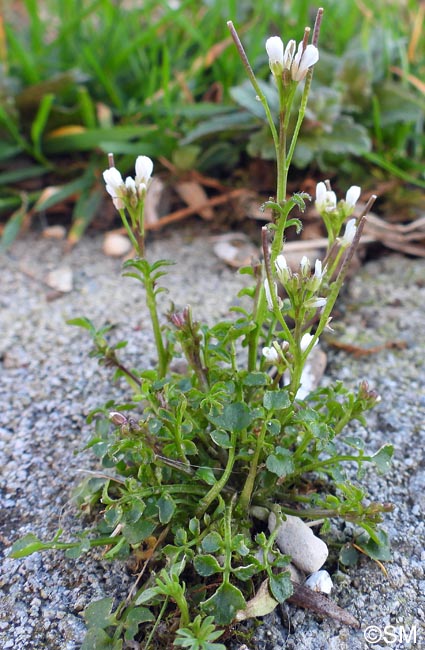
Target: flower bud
(282, 269)
(117, 418)
(270, 354)
(305, 266)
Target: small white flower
(303, 60)
(144, 169)
(325, 199)
(282, 269)
(131, 191)
(318, 270)
(305, 266)
(316, 280)
(274, 47)
(306, 340)
(115, 186)
(350, 232)
(315, 303)
(320, 581)
(268, 293)
(352, 196)
(270, 354)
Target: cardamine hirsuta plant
(207, 464)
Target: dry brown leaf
(321, 604)
(194, 195)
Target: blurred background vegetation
(81, 78)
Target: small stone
(296, 539)
(60, 279)
(54, 232)
(116, 245)
(296, 575)
(320, 581)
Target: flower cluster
(301, 286)
(297, 64)
(326, 199)
(334, 212)
(128, 193)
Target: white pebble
(60, 279)
(116, 245)
(320, 581)
(296, 539)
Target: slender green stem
(328, 462)
(157, 622)
(151, 304)
(217, 487)
(248, 488)
(129, 231)
(255, 83)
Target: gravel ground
(48, 386)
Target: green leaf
(212, 542)
(166, 507)
(82, 322)
(135, 617)
(39, 122)
(206, 474)
(274, 426)
(280, 586)
(99, 613)
(224, 604)
(274, 400)
(221, 438)
(348, 555)
(378, 548)
(280, 462)
(383, 457)
(137, 532)
(246, 572)
(26, 546)
(147, 595)
(97, 639)
(206, 565)
(13, 225)
(256, 379)
(235, 417)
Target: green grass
(81, 79)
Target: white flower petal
(320, 193)
(289, 54)
(113, 179)
(303, 60)
(306, 340)
(144, 169)
(352, 195)
(274, 47)
(282, 269)
(270, 354)
(268, 294)
(318, 271)
(350, 232)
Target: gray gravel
(48, 386)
